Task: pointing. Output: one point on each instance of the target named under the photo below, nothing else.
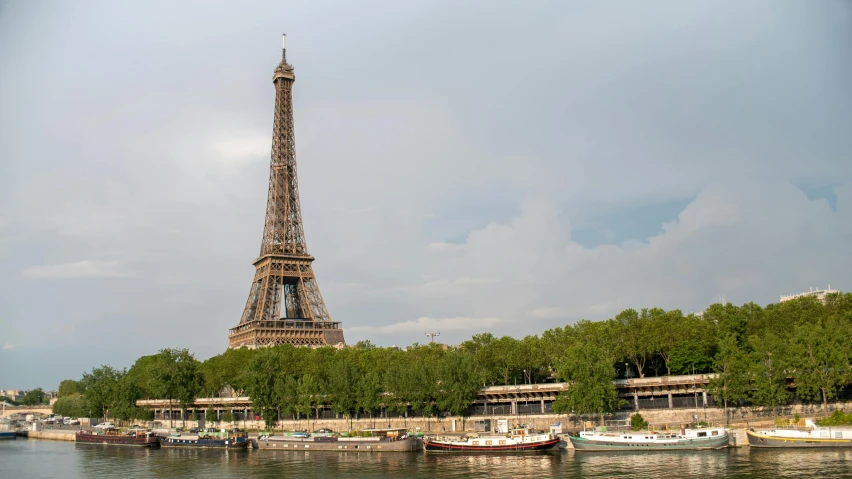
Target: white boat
(701, 438)
(806, 434)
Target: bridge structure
(7, 411)
(668, 392)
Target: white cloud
(424, 325)
(8, 346)
(79, 269)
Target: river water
(47, 459)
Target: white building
(819, 294)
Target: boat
(7, 435)
(804, 434)
(515, 440)
(700, 438)
(235, 439)
(370, 440)
(112, 437)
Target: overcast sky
(464, 166)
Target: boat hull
(104, 440)
(541, 446)
(762, 440)
(585, 444)
(7, 435)
(200, 443)
(408, 444)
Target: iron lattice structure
(284, 305)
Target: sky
(464, 167)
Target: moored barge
(517, 440)
(111, 437)
(686, 439)
(375, 440)
(233, 440)
(808, 435)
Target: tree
(591, 390)
(370, 393)
(732, 365)
(71, 405)
(210, 415)
(101, 386)
(637, 422)
(69, 387)
(263, 373)
(821, 359)
(636, 334)
(769, 370)
(459, 384)
(343, 388)
(228, 416)
(34, 397)
(177, 377)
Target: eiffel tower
(284, 304)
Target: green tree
(178, 378)
(69, 387)
(34, 397)
(263, 374)
(228, 417)
(343, 388)
(637, 422)
(71, 405)
(590, 374)
(210, 415)
(459, 384)
(769, 370)
(637, 336)
(370, 389)
(101, 386)
(821, 361)
(732, 365)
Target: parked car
(71, 422)
(135, 427)
(193, 430)
(105, 425)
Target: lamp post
(432, 336)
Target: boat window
(714, 433)
(702, 434)
(838, 435)
(502, 442)
(475, 443)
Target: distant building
(819, 294)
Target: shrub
(637, 422)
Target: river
(47, 459)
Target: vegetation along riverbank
(759, 353)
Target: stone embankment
(52, 435)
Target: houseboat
(112, 437)
(203, 440)
(702, 438)
(806, 434)
(515, 440)
(370, 440)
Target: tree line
(758, 352)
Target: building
(819, 294)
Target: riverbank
(53, 435)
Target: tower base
(263, 333)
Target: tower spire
(284, 304)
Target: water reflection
(35, 459)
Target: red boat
(111, 437)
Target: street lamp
(432, 336)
